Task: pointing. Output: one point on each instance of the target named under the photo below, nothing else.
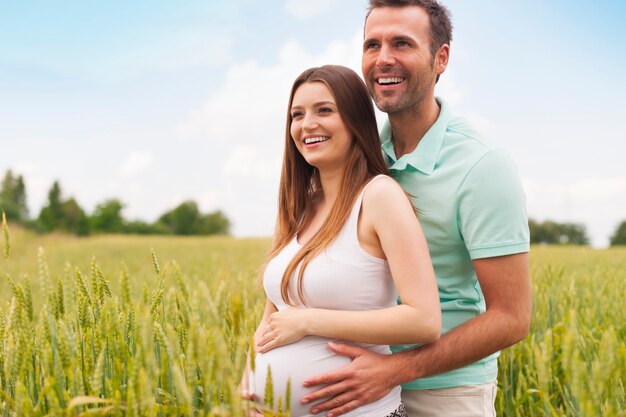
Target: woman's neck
(331, 183)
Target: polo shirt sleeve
(492, 208)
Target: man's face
(397, 64)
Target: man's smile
(389, 80)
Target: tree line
(569, 233)
(557, 233)
(186, 219)
(66, 215)
(552, 232)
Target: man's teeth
(390, 80)
(316, 139)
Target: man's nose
(385, 57)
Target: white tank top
(342, 277)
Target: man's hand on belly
(368, 378)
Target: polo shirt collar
(424, 157)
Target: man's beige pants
(463, 401)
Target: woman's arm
(387, 218)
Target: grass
(160, 326)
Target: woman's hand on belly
(284, 327)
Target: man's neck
(409, 127)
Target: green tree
(74, 219)
(215, 223)
(619, 237)
(51, 215)
(184, 219)
(107, 217)
(139, 227)
(557, 233)
(13, 197)
(62, 215)
(20, 198)
(574, 234)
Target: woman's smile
(317, 129)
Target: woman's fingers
(267, 337)
(271, 344)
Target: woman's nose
(309, 122)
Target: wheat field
(160, 326)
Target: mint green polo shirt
(471, 205)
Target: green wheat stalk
(5, 233)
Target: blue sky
(158, 102)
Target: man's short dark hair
(439, 15)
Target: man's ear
(441, 58)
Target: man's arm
(505, 282)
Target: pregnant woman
(347, 243)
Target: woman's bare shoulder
(383, 191)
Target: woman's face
(317, 129)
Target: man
(472, 209)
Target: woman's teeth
(315, 139)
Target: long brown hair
(300, 186)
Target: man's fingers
(352, 405)
(328, 378)
(345, 350)
(340, 402)
(326, 392)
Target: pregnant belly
(304, 359)
(296, 363)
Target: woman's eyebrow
(316, 104)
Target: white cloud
(302, 9)
(244, 120)
(210, 200)
(251, 102)
(599, 203)
(449, 89)
(482, 124)
(136, 163)
(244, 162)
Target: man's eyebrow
(394, 38)
(403, 38)
(369, 40)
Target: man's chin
(388, 106)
